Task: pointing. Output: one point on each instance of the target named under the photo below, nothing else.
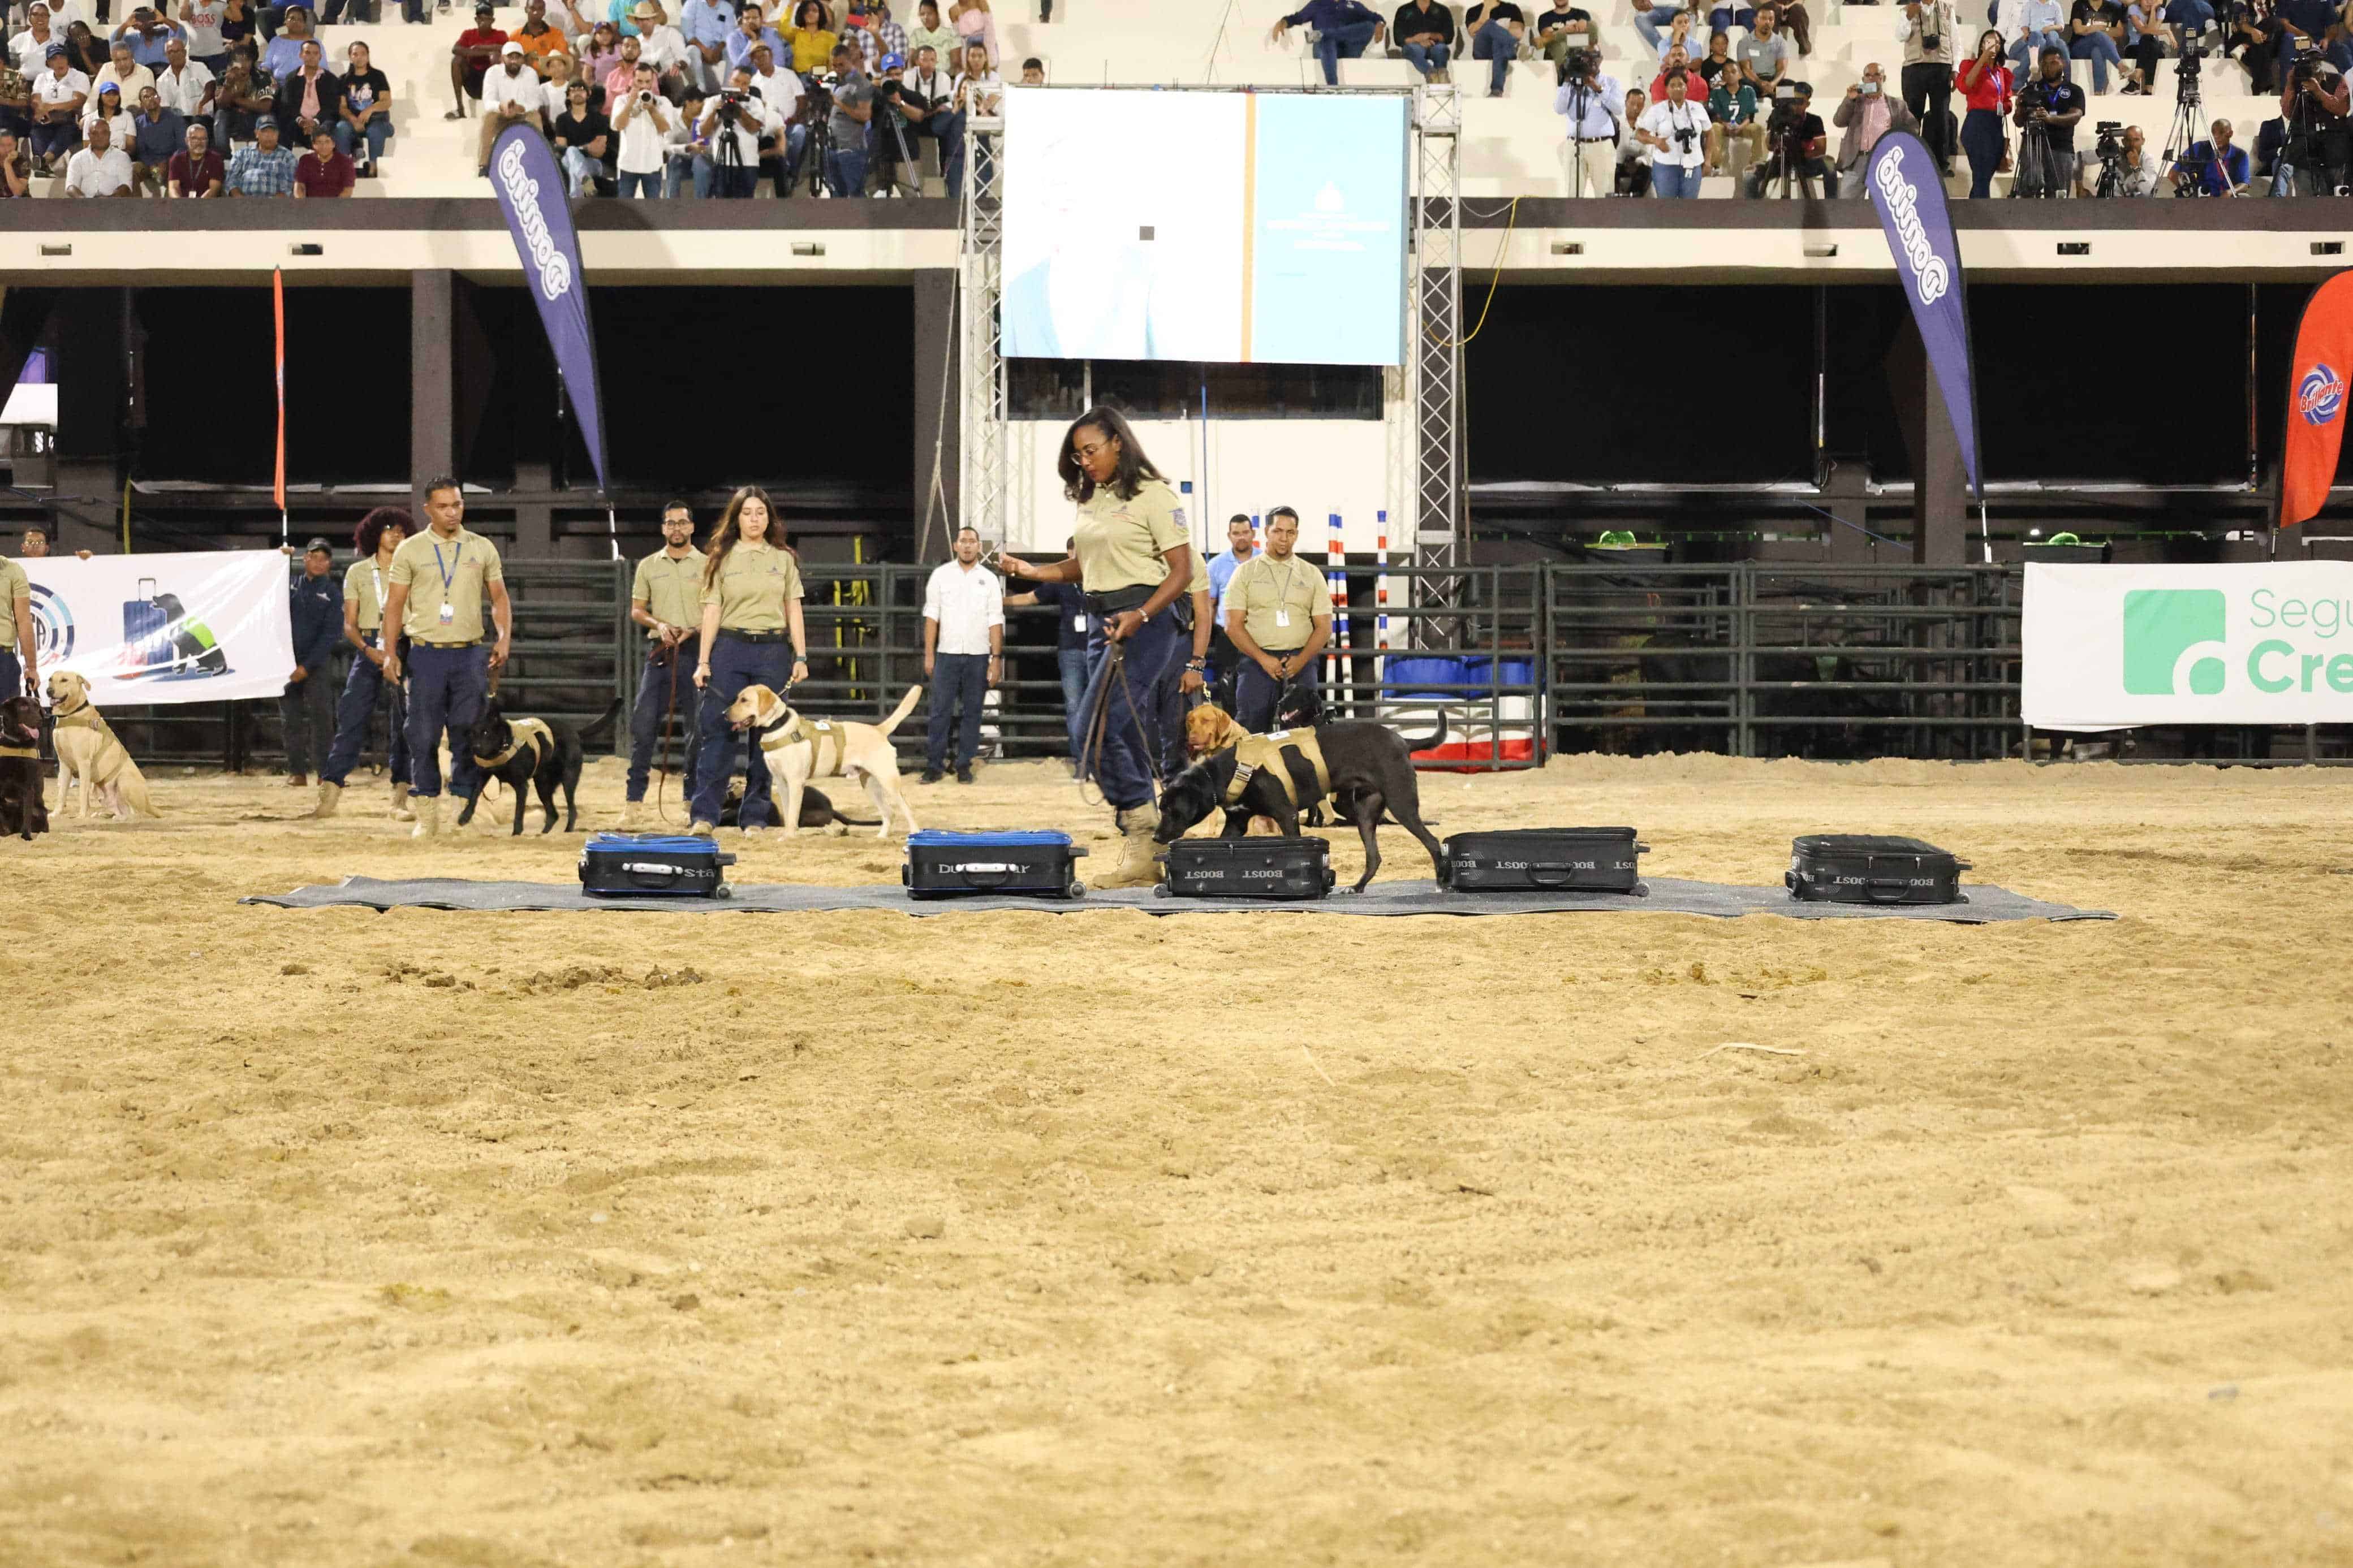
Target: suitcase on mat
(1249, 869)
(639, 865)
(1862, 868)
(942, 865)
(1545, 860)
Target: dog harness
(89, 718)
(819, 733)
(521, 732)
(29, 753)
(1253, 753)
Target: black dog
(22, 811)
(527, 754)
(817, 811)
(1371, 769)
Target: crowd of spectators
(838, 100)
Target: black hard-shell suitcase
(1249, 869)
(1864, 868)
(1547, 860)
(640, 865)
(941, 865)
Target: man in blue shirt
(2216, 168)
(1070, 644)
(149, 36)
(1343, 29)
(751, 31)
(307, 707)
(1241, 543)
(706, 25)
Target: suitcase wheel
(1162, 892)
(1078, 890)
(722, 892)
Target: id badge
(448, 613)
(1282, 617)
(1078, 623)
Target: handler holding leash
(1136, 558)
(667, 600)
(433, 593)
(20, 650)
(751, 611)
(1279, 613)
(379, 534)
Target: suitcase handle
(1551, 876)
(1887, 889)
(989, 879)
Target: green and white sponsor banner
(2108, 646)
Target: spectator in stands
(306, 709)
(2297, 20)
(1496, 38)
(883, 36)
(1724, 18)
(147, 35)
(978, 91)
(311, 100)
(1679, 36)
(735, 150)
(90, 55)
(325, 170)
(237, 26)
(1867, 112)
(245, 96)
(750, 30)
(2139, 172)
(1985, 85)
(964, 653)
(617, 11)
(1342, 27)
(597, 59)
(659, 45)
(812, 41)
(125, 75)
(1928, 30)
(1033, 70)
(705, 26)
(284, 55)
(2215, 167)
(583, 139)
(30, 48)
(1764, 54)
(641, 127)
(59, 94)
(16, 170)
(2096, 28)
(157, 135)
(538, 35)
(2145, 42)
(363, 111)
(197, 171)
(1069, 601)
(1630, 161)
(472, 57)
(264, 169)
(1675, 130)
(15, 102)
(929, 94)
(184, 84)
(2042, 25)
(1732, 117)
(35, 546)
(931, 33)
(556, 86)
(1678, 59)
(1648, 19)
(688, 149)
(109, 107)
(1424, 31)
(1718, 58)
(201, 22)
(889, 143)
(1801, 148)
(101, 169)
(1595, 105)
(510, 96)
(780, 92)
(1793, 20)
(853, 111)
(975, 25)
(2255, 34)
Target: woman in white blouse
(1675, 130)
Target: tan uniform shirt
(1122, 542)
(1279, 601)
(457, 577)
(670, 590)
(364, 581)
(753, 582)
(15, 590)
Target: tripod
(2184, 130)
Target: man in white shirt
(184, 84)
(510, 95)
(659, 45)
(733, 174)
(558, 65)
(781, 91)
(931, 91)
(127, 74)
(1595, 105)
(642, 118)
(101, 169)
(963, 650)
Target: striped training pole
(1336, 562)
(1381, 598)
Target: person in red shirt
(472, 57)
(323, 171)
(199, 170)
(1676, 56)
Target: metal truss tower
(981, 443)
(1440, 520)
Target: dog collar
(27, 752)
(82, 718)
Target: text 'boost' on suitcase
(660, 864)
(1249, 869)
(1545, 860)
(942, 865)
(1864, 868)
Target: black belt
(734, 635)
(1119, 601)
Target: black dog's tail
(1427, 741)
(601, 731)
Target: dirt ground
(338, 1239)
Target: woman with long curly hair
(379, 533)
(751, 619)
(1134, 557)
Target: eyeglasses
(1087, 451)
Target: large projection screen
(1226, 227)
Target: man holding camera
(853, 113)
(780, 93)
(1595, 106)
(642, 125)
(2047, 109)
(2216, 168)
(2313, 102)
(1795, 138)
(1864, 115)
(731, 122)
(927, 94)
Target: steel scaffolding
(1435, 315)
(981, 446)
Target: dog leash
(661, 789)
(1090, 753)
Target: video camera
(731, 105)
(2112, 140)
(1577, 64)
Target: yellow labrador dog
(88, 751)
(799, 749)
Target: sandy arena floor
(338, 1239)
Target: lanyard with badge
(448, 576)
(1282, 590)
(376, 572)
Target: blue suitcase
(656, 865)
(941, 865)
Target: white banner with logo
(208, 627)
(2108, 646)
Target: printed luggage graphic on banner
(161, 641)
(2165, 625)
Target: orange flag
(2315, 400)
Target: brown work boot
(1139, 864)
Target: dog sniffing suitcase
(943, 865)
(656, 865)
(1547, 860)
(1864, 868)
(1272, 869)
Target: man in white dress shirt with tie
(1595, 106)
(964, 645)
